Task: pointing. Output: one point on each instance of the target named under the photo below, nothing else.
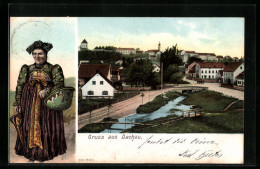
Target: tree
(192, 59)
(170, 71)
(176, 78)
(141, 73)
(170, 56)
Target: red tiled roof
(219, 56)
(89, 70)
(115, 68)
(235, 57)
(240, 76)
(227, 56)
(139, 51)
(211, 65)
(231, 67)
(84, 41)
(153, 50)
(212, 54)
(127, 48)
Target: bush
(157, 103)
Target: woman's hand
(42, 93)
(17, 109)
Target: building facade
(231, 71)
(98, 87)
(126, 51)
(209, 70)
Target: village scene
(162, 89)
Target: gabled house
(98, 86)
(87, 71)
(240, 79)
(115, 74)
(209, 70)
(231, 71)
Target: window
(90, 92)
(209, 71)
(240, 67)
(205, 71)
(212, 71)
(202, 71)
(209, 76)
(105, 92)
(101, 82)
(93, 82)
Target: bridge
(189, 89)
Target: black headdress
(39, 44)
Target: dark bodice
(47, 75)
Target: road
(216, 87)
(120, 109)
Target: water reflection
(139, 118)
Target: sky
(58, 31)
(222, 36)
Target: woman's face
(39, 56)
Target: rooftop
(89, 70)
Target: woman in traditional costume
(43, 135)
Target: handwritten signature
(198, 156)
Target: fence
(127, 95)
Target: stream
(140, 118)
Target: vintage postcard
(126, 90)
(160, 90)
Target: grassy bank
(215, 120)
(97, 127)
(157, 103)
(210, 101)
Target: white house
(98, 87)
(209, 70)
(126, 51)
(231, 71)
(185, 55)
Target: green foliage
(97, 127)
(192, 59)
(231, 121)
(210, 101)
(169, 57)
(157, 103)
(176, 78)
(172, 69)
(97, 57)
(141, 73)
(106, 47)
